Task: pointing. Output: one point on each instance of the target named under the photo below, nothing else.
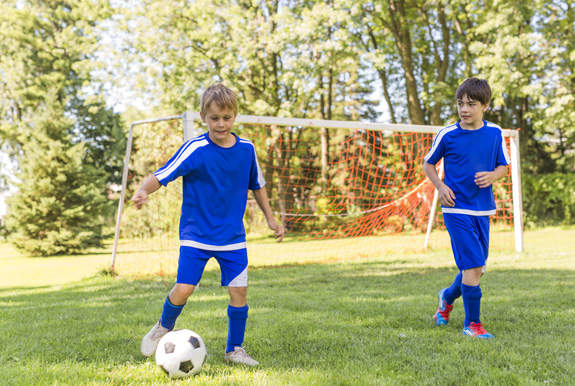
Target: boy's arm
(261, 197)
(445, 194)
(485, 179)
(150, 186)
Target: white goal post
(190, 130)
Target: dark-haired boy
(474, 156)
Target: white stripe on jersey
(261, 180)
(208, 247)
(192, 146)
(469, 211)
(438, 138)
(505, 153)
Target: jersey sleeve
(256, 176)
(180, 164)
(503, 158)
(437, 149)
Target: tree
(55, 124)
(526, 52)
(59, 205)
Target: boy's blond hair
(223, 96)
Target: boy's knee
(180, 293)
(238, 296)
(471, 276)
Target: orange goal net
(343, 190)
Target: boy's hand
(484, 179)
(139, 198)
(446, 196)
(278, 230)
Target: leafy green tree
(416, 49)
(291, 59)
(554, 95)
(323, 59)
(526, 51)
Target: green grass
(362, 322)
(17, 270)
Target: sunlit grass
(358, 322)
(159, 255)
(19, 270)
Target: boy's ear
(202, 116)
(485, 107)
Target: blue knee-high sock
(170, 313)
(454, 291)
(237, 317)
(472, 303)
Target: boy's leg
(174, 304)
(237, 317)
(234, 267)
(471, 293)
(453, 292)
(191, 266)
(470, 243)
(472, 303)
(446, 298)
(167, 321)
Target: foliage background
(75, 71)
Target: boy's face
(220, 122)
(470, 113)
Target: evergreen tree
(59, 205)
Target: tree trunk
(400, 29)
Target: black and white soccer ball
(181, 353)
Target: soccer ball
(181, 353)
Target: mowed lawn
(361, 322)
(17, 270)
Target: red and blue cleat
(441, 316)
(476, 330)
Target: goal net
(343, 190)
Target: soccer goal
(343, 190)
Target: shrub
(549, 199)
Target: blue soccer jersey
(216, 181)
(466, 152)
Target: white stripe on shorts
(241, 280)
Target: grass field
(361, 322)
(20, 271)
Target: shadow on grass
(369, 316)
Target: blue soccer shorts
(233, 264)
(469, 239)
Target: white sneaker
(239, 355)
(151, 340)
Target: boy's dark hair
(223, 96)
(476, 90)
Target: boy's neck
(474, 126)
(228, 142)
